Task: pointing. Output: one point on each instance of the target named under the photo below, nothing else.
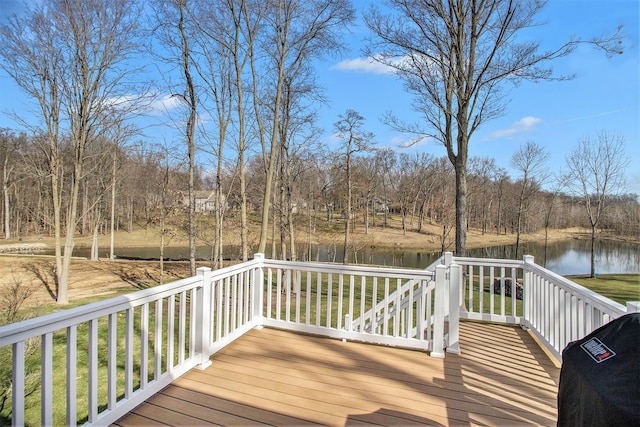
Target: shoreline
(103, 278)
(378, 238)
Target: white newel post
(439, 309)
(203, 318)
(258, 292)
(633, 306)
(448, 258)
(455, 288)
(527, 285)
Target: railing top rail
(350, 269)
(15, 332)
(19, 331)
(593, 298)
(235, 268)
(489, 262)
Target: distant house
(205, 201)
(380, 205)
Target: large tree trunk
(190, 99)
(345, 256)
(63, 273)
(268, 182)
(218, 255)
(519, 219)
(61, 276)
(95, 247)
(461, 206)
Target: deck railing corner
(633, 307)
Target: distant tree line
(418, 188)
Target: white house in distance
(205, 201)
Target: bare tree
(175, 29)
(444, 206)
(168, 163)
(355, 140)
(222, 35)
(10, 146)
(298, 33)
(456, 58)
(531, 160)
(406, 185)
(226, 34)
(118, 136)
(191, 100)
(550, 201)
(483, 170)
(369, 174)
(387, 159)
(69, 56)
(596, 172)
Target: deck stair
(398, 308)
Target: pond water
(570, 257)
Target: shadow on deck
(273, 377)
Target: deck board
(273, 377)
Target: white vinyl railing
(93, 364)
(116, 353)
(559, 311)
(400, 307)
(523, 293)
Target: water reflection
(566, 258)
(570, 257)
(573, 257)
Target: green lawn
(618, 287)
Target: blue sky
(604, 95)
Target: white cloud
(523, 125)
(162, 105)
(406, 141)
(364, 65)
(151, 103)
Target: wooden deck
(272, 377)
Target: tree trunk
(273, 149)
(366, 217)
(190, 99)
(113, 205)
(546, 244)
(592, 273)
(162, 234)
(345, 255)
(63, 272)
(461, 206)
(5, 192)
(95, 248)
(519, 222)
